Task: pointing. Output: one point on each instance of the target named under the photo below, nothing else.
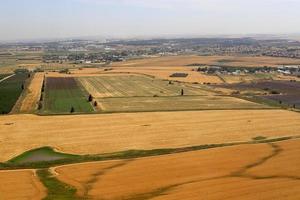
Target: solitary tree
(72, 110)
(40, 106)
(182, 92)
(95, 104)
(90, 99)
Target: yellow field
(175, 61)
(158, 72)
(163, 67)
(30, 101)
(21, 185)
(92, 134)
(162, 73)
(238, 172)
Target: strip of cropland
(107, 133)
(184, 60)
(21, 184)
(134, 86)
(285, 92)
(32, 94)
(179, 103)
(10, 90)
(237, 172)
(63, 95)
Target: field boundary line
(7, 77)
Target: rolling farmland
(132, 93)
(61, 94)
(10, 90)
(196, 140)
(209, 174)
(94, 134)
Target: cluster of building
(293, 70)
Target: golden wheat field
(238, 172)
(93, 134)
(30, 101)
(21, 185)
(175, 61)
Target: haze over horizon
(33, 19)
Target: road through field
(93, 134)
(21, 185)
(237, 172)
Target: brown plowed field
(92, 134)
(32, 97)
(21, 185)
(238, 172)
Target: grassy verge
(56, 189)
(130, 154)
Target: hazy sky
(27, 19)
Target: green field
(10, 90)
(134, 86)
(3, 76)
(63, 94)
(139, 104)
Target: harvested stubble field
(21, 185)
(132, 93)
(134, 86)
(179, 103)
(32, 94)
(165, 73)
(257, 171)
(237, 61)
(61, 94)
(104, 133)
